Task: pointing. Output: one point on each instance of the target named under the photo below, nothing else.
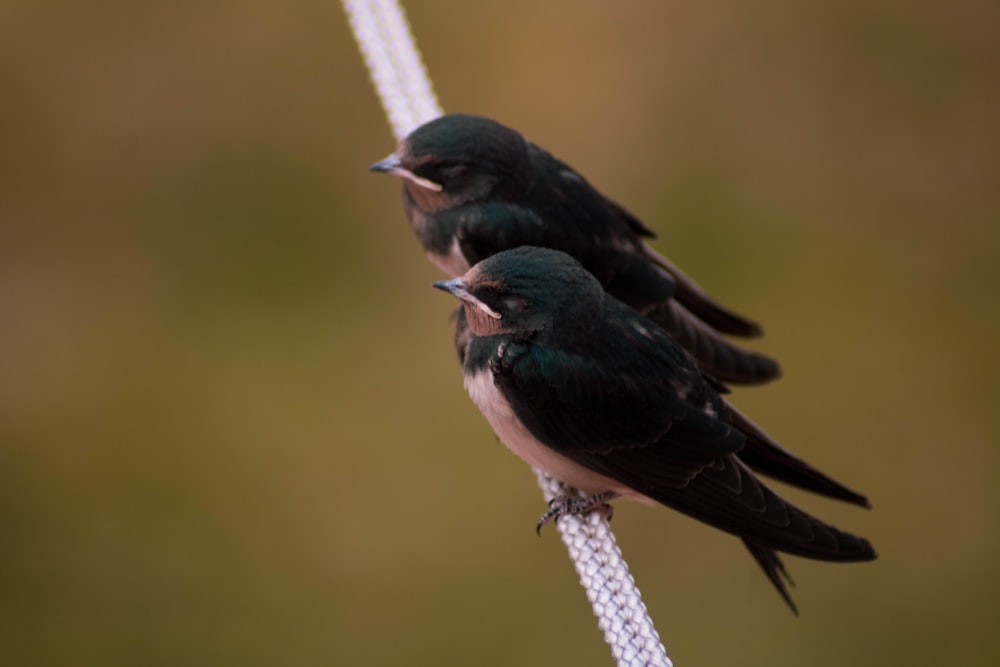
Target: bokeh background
(232, 430)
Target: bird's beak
(388, 165)
(455, 286)
(459, 288)
(392, 165)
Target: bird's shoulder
(620, 383)
(559, 184)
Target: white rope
(405, 90)
(393, 63)
(612, 592)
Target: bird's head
(525, 291)
(458, 159)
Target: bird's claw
(563, 505)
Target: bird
(473, 187)
(762, 452)
(598, 396)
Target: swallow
(473, 187)
(761, 452)
(600, 397)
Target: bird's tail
(770, 562)
(727, 494)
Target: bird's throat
(480, 322)
(426, 200)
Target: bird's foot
(563, 505)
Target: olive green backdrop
(232, 429)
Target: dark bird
(598, 396)
(473, 188)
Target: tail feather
(774, 568)
(724, 492)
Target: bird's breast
(515, 435)
(439, 241)
(452, 262)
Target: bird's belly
(513, 433)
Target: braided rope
(394, 63)
(612, 591)
(405, 90)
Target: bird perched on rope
(598, 396)
(473, 188)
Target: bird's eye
(513, 304)
(452, 169)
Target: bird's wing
(716, 355)
(629, 407)
(573, 193)
(633, 395)
(723, 492)
(483, 230)
(700, 304)
(612, 227)
(766, 456)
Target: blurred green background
(232, 429)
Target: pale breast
(453, 263)
(519, 440)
